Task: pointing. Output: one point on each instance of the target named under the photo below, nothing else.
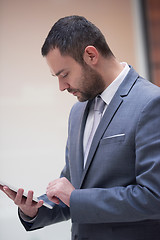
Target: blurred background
(33, 112)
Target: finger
(19, 197)
(53, 183)
(11, 194)
(39, 204)
(54, 199)
(50, 186)
(29, 199)
(51, 192)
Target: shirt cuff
(26, 218)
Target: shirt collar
(109, 92)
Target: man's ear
(91, 55)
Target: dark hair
(72, 34)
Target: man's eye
(64, 75)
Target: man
(110, 185)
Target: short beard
(92, 84)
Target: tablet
(44, 197)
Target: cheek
(77, 81)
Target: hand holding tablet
(20, 197)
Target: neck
(109, 69)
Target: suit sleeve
(131, 203)
(48, 216)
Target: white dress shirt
(107, 96)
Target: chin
(84, 98)
(80, 99)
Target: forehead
(57, 62)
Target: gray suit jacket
(117, 196)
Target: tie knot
(99, 104)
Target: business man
(110, 185)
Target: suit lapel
(78, 159)
(107, 118)
(110, 112)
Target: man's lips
(74, 92)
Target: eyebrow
(58, 73)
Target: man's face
(82, 81)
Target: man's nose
(63, 85)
